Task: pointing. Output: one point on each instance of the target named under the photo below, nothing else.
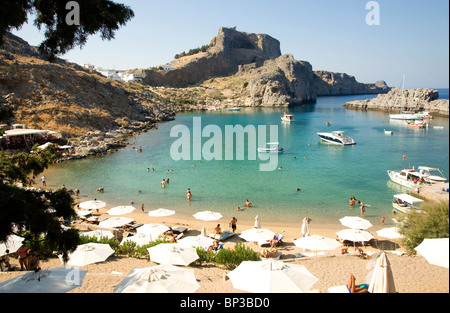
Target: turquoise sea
(327, 175)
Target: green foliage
(96, 16)
(431, 222)
(203, 48)
(230, 258)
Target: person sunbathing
(352, 288)
(269, 253)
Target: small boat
(417, 124)
(408, 177)
(233, 109)
(425, 115)
(405, 203)
(388, 132)
(438, 127)
(337, 137)
(287, 118)
(271, 147)
(213, 109)
(328, 123)
(432, 174)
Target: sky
(412, 37)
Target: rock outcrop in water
(404, 100)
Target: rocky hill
(268, 78)
(72, 100)
(398, 100)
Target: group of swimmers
(353, 200)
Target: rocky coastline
(398, 100)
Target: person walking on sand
(44, 181)
(305, 227)
(233, 222)
(142, 207)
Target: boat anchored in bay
(337, 137)
(271, 147)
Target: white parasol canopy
(382, 279)
(172, 253)
(54, 280)
(317, 243)
(115, 222)
(12, 243)
(257, 234)
(355, 235)
(153, 229)
(390, 232)
(355, 222)
(89, 253)
(435, 251)
(164, 278)
(271, 276)
(83, 213)
(196, 241)
(208, 216)
(92, 205)
(141, 239)
(121, 210)
(161, 213)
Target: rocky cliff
(398, 100)
(272, 79)
(76, 102)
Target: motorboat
(407, 177)
(337, 137)
(432, 174)
(405, 203)
(411, 177)
(407, 116)
(417, 124)
(271, 147)
(424, 115)
(388, 132)
(287, 118)
(233, 109)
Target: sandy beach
(412, 274)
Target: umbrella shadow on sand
(385, 245)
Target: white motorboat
(432, 174)
(407, 177)
(407, 116)
(233, 109)
(271, 147)
(287, 118)
(410, 177)
(405, 203)
(388, 132)
(337, 137)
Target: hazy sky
(412, 38)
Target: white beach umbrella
(271, 276)
(92, 205)
(382, 279)
(390, 232)
(163, 278)
(208, 216)
(317, 243)
(355, 222)
(161, 213)
(257, 234)
(89, 253)
(12, 243)
(172, 253)
(196, 241)
(435, 251)
(121, 210)
(115, 222)
(141, 239)
(54, 280)
(354, 235)
(83, 213)
(98, 234)
(153, 229)
(257, 223)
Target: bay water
(327, 175)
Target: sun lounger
(278, 240)
(309, 254)
(178, 229)
(223, 236)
